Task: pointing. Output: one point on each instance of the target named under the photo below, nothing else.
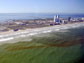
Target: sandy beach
(11, 35)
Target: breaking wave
(32, 32)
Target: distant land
(16, 16)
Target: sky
(41, 6)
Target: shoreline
(8, 36)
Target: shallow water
(54, 47)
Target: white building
(56, 19)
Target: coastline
(11, 35)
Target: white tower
(57, 16)
(54, 19)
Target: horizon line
(37, 13)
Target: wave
(32, 32)
(6, 39)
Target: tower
(56, 19)
(69, 19)
(57, 16)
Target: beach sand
(7, 37)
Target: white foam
(31, 34)
(6, 39)
(47, 31)
(36, 31)
(57, 29)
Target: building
(82, 18)
(69, 19)
(18, 22)
(56, 19)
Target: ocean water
(9, 16)
(62, 47)
(54, 47)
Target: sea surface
(16, 16)
(60, 47)
(66, 46)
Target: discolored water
(55, 47)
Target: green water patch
(38, 55)
(65, 47)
